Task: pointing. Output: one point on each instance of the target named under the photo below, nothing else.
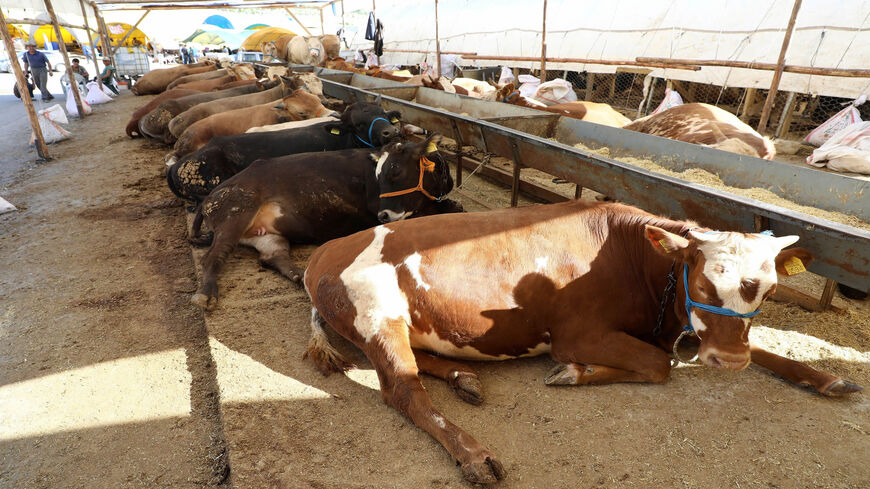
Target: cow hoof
(204, 301)
(467, 386)
(841, 387)
(563, 374)
(202, 240)
(489, 471)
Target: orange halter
(426, 165)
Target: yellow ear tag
(394, 120)
(335, 131)
(665, 246)
(794, 266)
(431, 148)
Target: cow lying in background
(155, 81)
(133, 125)
(155, 124)
(297, 106)
(585, 111)
(235, 73)
(583, 281)
(362, 125)
(706, 125)
(315, 197)
(209, 75)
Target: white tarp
(827, 35)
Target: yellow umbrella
(255, 41)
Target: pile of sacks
(843, 141)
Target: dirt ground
(108, 378)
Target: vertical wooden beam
(787, 113)
(74, 87)
(128, 34)
(515, 183)
(90, 38)
(777, 75)
(437, 43)
(748, 104)
(322, 29)
(291, 14)
(544, 45)
(590, 85)
(374, 10)
(827, 294)
(104, 35)
(41, 148)
(457, 136)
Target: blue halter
(371, 126)
(722, 311)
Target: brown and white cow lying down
(598, 113)
(583, 281)
(315, 197)
(299, 105)
(706, 125)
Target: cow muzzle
(386, 216)
(726, 360)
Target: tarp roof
(255, 41)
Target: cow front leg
(612, 358)
(275, 254)
(801, 373)
(390, 352)
(460, 377)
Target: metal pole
(74, 87)
(104, 34)
(777, 75)
(374, 10)
(437, 43)
(41, 148)
(544, 46)
(129, 33)
(90, 39)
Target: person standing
(185, 59)
(39, 67)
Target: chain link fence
(793, 115)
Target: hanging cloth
(379, 39)
(370, 27)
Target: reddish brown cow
(156, 81)
(583, 281)
(233, 84)
(298, 106)
(706, 125)
(208, 85)
(197, 77)
(133, 125)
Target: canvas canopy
(218, 37)
(255, 41)
(117, 31)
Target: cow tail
(326, 358)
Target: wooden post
(322, 29)
(590, 85)
(544, 45)
(300, 22)
(787, 112)
(515, 181)
(827, 294)
(90, 39)
(437, 43)
(41, 148)
(128, 34)
(777, 75)
(104, 35)
(374, 10)
(748, 104)
(74, 87)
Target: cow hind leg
(275, 253)
(226, 234)
(320, 351)
(460, 377)
(390, 352)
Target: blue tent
(219, 21)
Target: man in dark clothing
(79, 69)
(39, 67)
(107, 77)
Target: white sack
(672, 99)
(49, 122)
(506, 76)
(528, 85)
(96, 95)
(835, 124)
(5, 206)
(847, 150)
(554, 92)
(71, 105)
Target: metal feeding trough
(542, 140)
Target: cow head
(301, 105)
(408, 176)
(315, 49)
(734, 273)
(270, 52)
(369, 123)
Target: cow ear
(333, 127)
(665, 243)
(280, 106)
(793, 261)
(393, 116)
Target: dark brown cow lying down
(300, 105)
(583, 281)
(314, 197)
(706, 125)
(133, 125)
